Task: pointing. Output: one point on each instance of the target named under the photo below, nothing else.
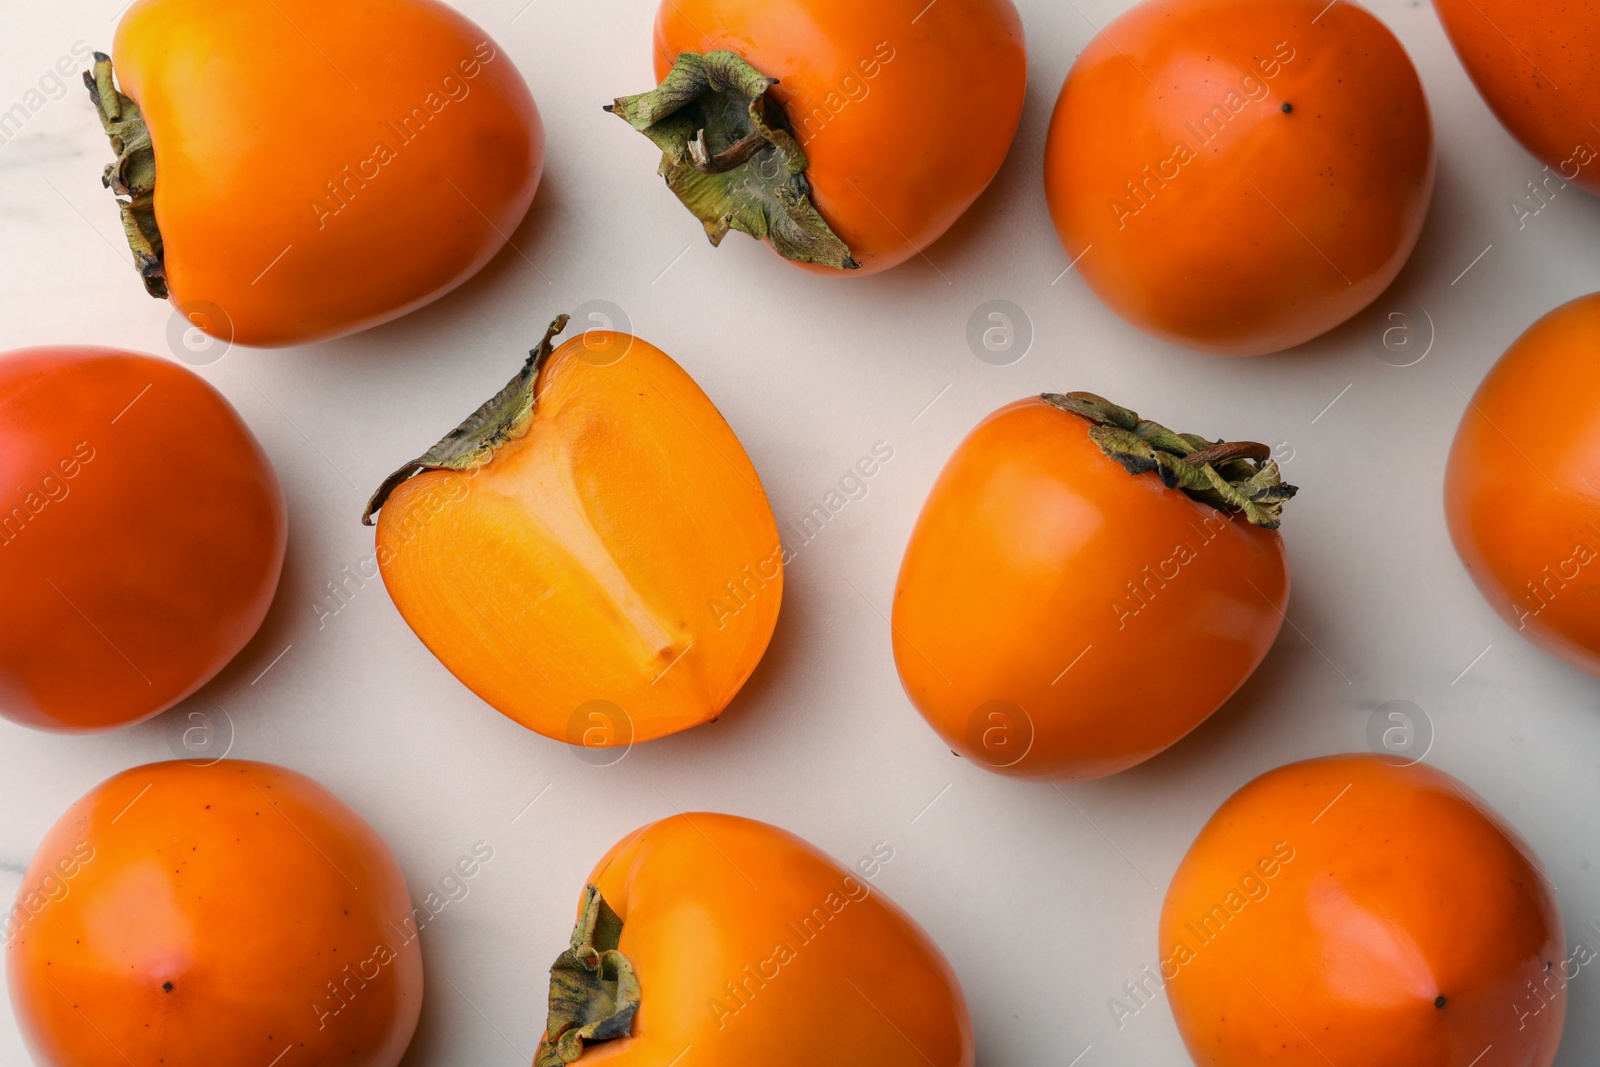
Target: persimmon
(751, 946)
(294, 170)
(1534, 65)
(1353, 910)
(143, 542)
(848, 136)
(1084, 587)
(591, 552)
(228, 913)
(1239, 176)
(1522, 487)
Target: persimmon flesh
(606, 569)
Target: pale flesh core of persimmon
(611, 575)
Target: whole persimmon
(1537, 66)
(293, 170)
(1522, 488)
(734, 938)
(143, 543)
(1239, 176)
(591, 552)
(227, 913)
(1354, 910)
(1084, 587)
(849, 136)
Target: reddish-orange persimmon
(1538, 67)
(1239, 176)
(1062, 612)
(592, 551)
(887, 118)
(312, 168)
(750, 946)
(1350, 910)
(142, 543)
(229, 913)
(1522, 489)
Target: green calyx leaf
(594, 992)
(504, 417)
(728, 152)
(132, 178)
(1229, 475)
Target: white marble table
(822, 740)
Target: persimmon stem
(504, 417)
(594, 992)
(729, 154)
(1236, 476)
(132, 178)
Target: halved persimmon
(591, 552)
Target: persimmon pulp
(592, 553)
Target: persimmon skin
(623, 552)
(283, 223)
(1522, 487)
(1535, 64)
(695, 921)
(905, 120)
(156, 546)
(1042, 575)
(1355, 894)
(1268, 227)
(251, 890)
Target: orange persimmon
(1083, 587)
(226, 913)
(1352, 910)
(1522, 488)
(1239, 176)
(293, 170)
(591, 552)
(751, 946)
(143, 543)
(1535, 65)
(848, 135)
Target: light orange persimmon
(1351, 910)
(231, 913)
(592, 552)
(1064, 612)
(749, 946)
(1522, 489)
(293, 170)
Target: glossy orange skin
(1536, 65)
(1352, 894)
(1261, 229)
(141, 539)
(747, 942)
(904, 120)
(249, 888)
(1522, 488)
(256, 109)
(1028, 630)
(612, 576)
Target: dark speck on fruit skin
(1287, 107)
(166, 986)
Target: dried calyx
(504, 417)
(729, 153)
(133, 176)
(1230, 475)
(594, 992)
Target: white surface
(1044, 899)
